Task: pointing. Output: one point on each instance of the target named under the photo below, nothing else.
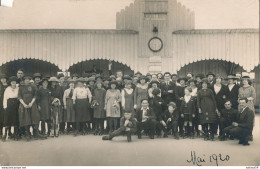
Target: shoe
(240, 142)
(139, 136)
(106, 138)
(246, 143)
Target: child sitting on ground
(127, 126)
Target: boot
(212, 135)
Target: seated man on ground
(227, 117)
(127, 126)
(242, 129)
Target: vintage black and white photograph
(129, 83)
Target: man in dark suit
(232, 92)
(211, 77)
(168, 89)
(242, 129)
(227, 117)
(145, 119)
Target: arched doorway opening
(30, 66)
(216, 66)
(102, 65)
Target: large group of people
(154, 105)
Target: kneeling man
(242, 129)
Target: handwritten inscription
(195, 159)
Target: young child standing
(55, 117)
(187, 111)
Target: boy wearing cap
(127, 126)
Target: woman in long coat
(113, 98)
(207, 110)
(81, 99)
(3, 86)
(98, 105)
(29, 114)
(247, 91)
(44, 104)
(141, 91)
(220, 92)
(11, 105)
(68, 106)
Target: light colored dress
(112, 103)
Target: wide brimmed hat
(127, 77)
(53, 79)
(245, 77)
(12, 78)
(155, 81)
(200, 75)
(71, 81)
(81, 79)
(143, 77)
(27, 77)
(210, 73)
(232, 76)
(113, 82)
(204, 80)
(182, 78)
(37, 75)
(3, 76)
(192, 80)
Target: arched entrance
(216, 66)
(101, 64)
(30, 66)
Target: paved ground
(91, 150)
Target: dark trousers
(120, 131)
(238, 132)
(1, 128)
(181, 124)
(149, 125)
(208, 127)
(113, 123)
(223, 123)
(215, 127)
(81, 126)
(173, 125)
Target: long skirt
(82, 107)
(29, 116)
(11, 114)
(70, 112)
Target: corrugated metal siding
(65, 48)
(239, 47)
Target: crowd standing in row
(42, 106)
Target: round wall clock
(155, 44)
